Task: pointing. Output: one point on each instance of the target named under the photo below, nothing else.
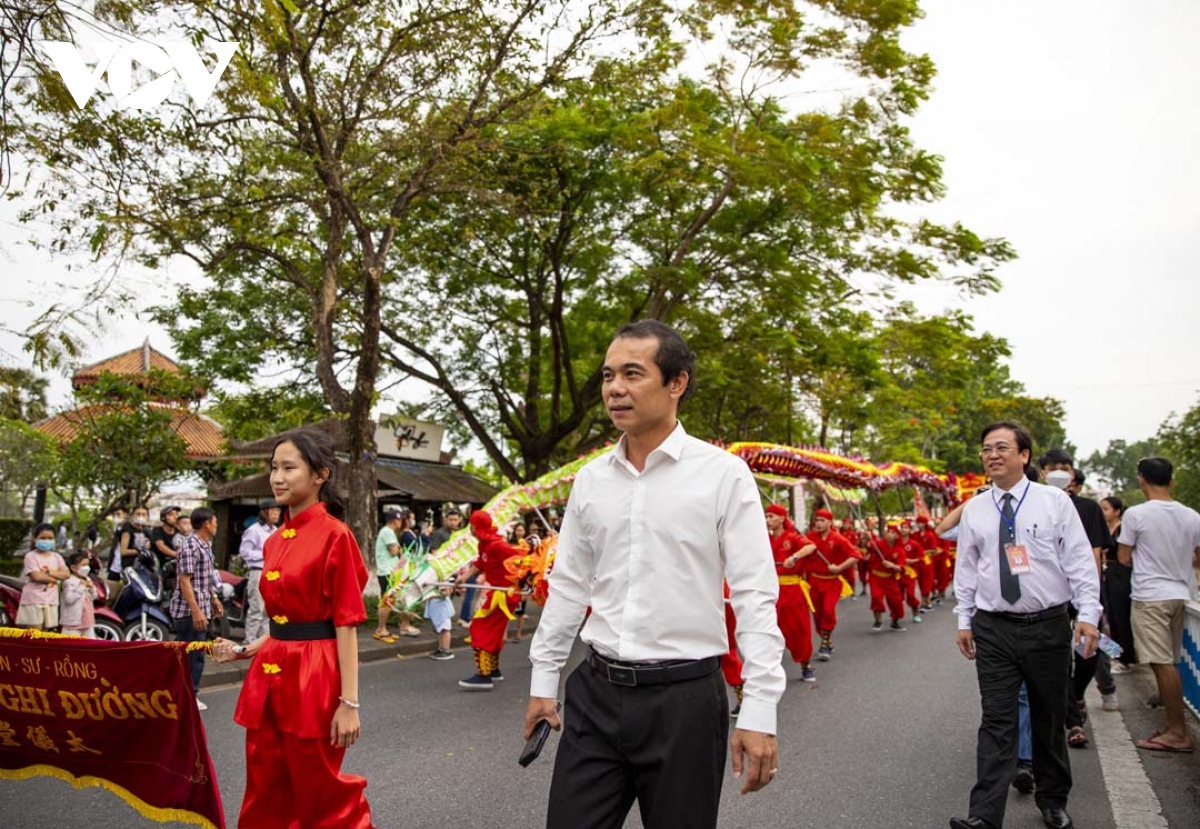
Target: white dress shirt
(1062, 565)
(253, 539)
(648, 551)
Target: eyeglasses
(998, 448)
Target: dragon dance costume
(794, 605)
(490, 622)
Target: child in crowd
(78, 614)
(440, 611)
(43, 570)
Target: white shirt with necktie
(648, 552)
(1062, 564)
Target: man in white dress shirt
(1022, 556)
(650, 532)
(251, 551)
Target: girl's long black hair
(316, 448)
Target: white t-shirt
(1164, 536)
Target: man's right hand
(966, 644)
(199, 620)
(541, 708)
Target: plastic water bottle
(1109, 647)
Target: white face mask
(1059, 478)
(83, 570)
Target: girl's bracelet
(353, 706)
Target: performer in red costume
(851, 573)
(491, 620)
(731, 660)
(299, 702)
(831, 555)
(886, 559)
(914, 559)
(935, 562)
(793, 606)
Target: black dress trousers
(1007, 653)
(663, 745)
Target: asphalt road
(885, 738)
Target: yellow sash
(883, 574)
(803, 587)
(499, 601)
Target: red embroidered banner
(119, 715)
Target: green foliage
(22, 395)
(1179, 441)
(27, 459)
(14, 533)
(260, 412)
(125, 447)
(1116, 467)
(474, 196)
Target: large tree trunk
(360, 486)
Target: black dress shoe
(1056, 817)
(1023, 780)
(969, 823)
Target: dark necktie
(1010, 585)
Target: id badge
(1018, 559)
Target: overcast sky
(1071, 129)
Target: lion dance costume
(490, 622)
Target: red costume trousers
(825, 592)
(886, 594)
(296, 783)
(487, 631)
(731, 662)
(943, 574)
(925, 577)
(911, 585)
(795, 624)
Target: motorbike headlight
(226, 591)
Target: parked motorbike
(233, 599)
(10, 600)
(139, 605)
(108, 624)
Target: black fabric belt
(248, 567)
(632, 674)
(1027, 618)
(303, 631)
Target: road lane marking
(1134, 803)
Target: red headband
(823, 513)
(776, 509)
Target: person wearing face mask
(43, 570)
(132, 538)
(1058, 469)
(78, 611)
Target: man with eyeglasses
(1022, 557)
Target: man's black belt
(632, 674)
(1028, 618)
(252, 567)
(303, 631)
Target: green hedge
(13, 535)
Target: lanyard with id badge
(1018, 555)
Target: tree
(362, 161)
(1179, 441)
(124, 447)
(22, 395)
(27, 460)
(1116, 466)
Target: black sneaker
(737, 709)
(1023, 780)
(825, 653)
(496, 675)
(897, 626)
(478, 682)
(441, 655)
(878, 626)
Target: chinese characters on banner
(116, 715)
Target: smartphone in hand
(533, 746)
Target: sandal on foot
(1076, 737)
(1156, 744)
(386, 638)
